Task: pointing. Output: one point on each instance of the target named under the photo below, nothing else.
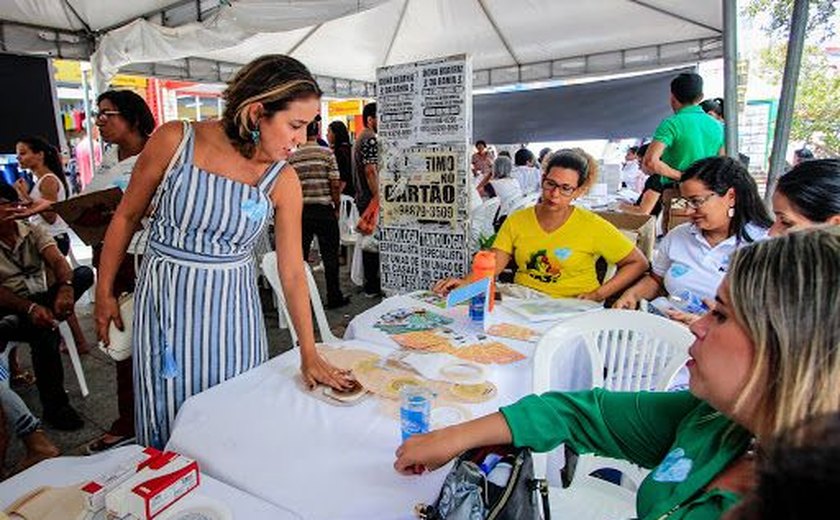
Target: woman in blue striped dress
(215, 184)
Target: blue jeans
(18, 416)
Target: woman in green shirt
(765, 359)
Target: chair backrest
(526, 201)
(627, 351)
(269, 269)
(482, 219)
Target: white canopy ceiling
(509, 40)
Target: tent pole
(796, 41)
(88, 117)
(730, 75)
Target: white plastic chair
(526, 201)
(636, 351)
(348, 217)
(482, 220)
(67, 336)
(269, 268)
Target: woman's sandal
(23, 380)
(100, 444)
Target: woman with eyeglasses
(125, 122)
(556, 244)
(726, 213)
(807, 195)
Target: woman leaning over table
(763, 360)
(807, 195)
(198, 320)
(556, 244)
(727, 213)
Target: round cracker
(347, 358)
(386, 383)
(473, 393)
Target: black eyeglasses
(565, 189)
(105, 114)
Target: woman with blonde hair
(198, 320)
(763, 360)
(556, 244)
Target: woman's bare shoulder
(165, 139)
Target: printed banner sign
(424, 112)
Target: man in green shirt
(687, 136)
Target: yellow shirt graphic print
(560, 263)
(543, 267)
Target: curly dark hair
(574, 159)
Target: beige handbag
(119, 347)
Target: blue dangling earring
(255, 136)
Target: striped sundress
(198, 319)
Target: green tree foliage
(778, 14)
(816, 116)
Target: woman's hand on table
(315, 369)
(426, 452)
(594, 296)
(627, 301)
(443, 287)
(688, 318)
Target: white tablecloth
(65, 471)
(262, 434)
(514, 380)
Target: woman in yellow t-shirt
(556, 244)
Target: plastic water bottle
(687, 301)
(500, 474)
(489, 463)
(415, 410)
(484, 266)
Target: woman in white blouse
(726, 214)
(125, 123)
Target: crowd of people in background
(763, 364)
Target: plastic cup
(415, 410)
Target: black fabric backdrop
(26, 101)
(614, 109)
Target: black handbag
(472, 492)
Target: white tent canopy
(510, 40)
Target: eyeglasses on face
(697, 202)
(565, 189)
(105, 114)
